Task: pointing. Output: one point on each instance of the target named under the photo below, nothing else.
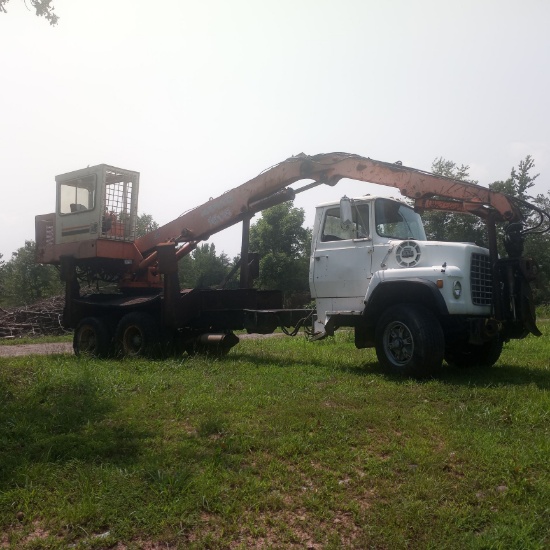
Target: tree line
(283, 244)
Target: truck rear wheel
(92, 337)
(470, 355)
(137, 335)
(409, 341)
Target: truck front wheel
(409, 341)
(92, 337)
(137, 335)
(470, 355)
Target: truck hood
(411, 254)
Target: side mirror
(346, 213)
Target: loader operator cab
(98, 202)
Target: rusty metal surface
(95, 248)
(233, 206)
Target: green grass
(282, 444)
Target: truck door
(341, 261)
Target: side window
(332, 228)
(77, 195)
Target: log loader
(415, 301)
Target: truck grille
(481, 280)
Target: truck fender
(404, 291)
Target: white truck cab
(370, 256)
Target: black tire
(409, 341)
(137, 335)
(92, 337)
(470, 355)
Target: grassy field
(282, 444)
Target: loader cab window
(332, 227)
(77, 195)
(396, 220)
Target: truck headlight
(457, 289)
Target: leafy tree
(284, 245)
(43, 8)
(447, 226)
(145, 224)
(203, 268)
(517, 185)
(450, 169)
(25, 281)
(520, 180)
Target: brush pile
(38, 319)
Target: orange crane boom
(429, 191)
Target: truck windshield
(398, 221)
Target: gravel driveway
(36, 349)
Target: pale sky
(201, 96)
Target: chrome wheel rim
(398, 343)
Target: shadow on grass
(272, 360)
(499, 375)
(60, 421)
(361, 369)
